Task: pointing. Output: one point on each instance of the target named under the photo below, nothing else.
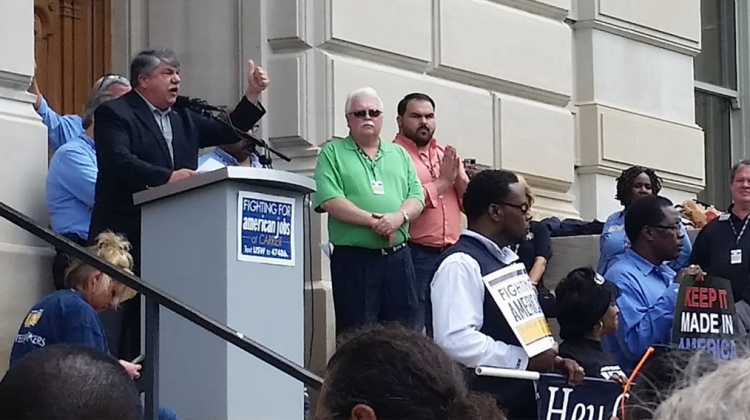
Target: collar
(151, 107)
(645, 266)
(88, 140)
(408, 144)
(350, 144)
(225, 157)
(729, 214)
(506, 255)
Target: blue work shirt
(71, 184)
(60, 129)
(221, 157)
(648, 295)
(62, 317)
(613, 242)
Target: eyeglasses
(523, 207)
(673, 228)
(373, 113)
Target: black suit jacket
(132, 155)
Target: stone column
(635, 97)
(26, 261)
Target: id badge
(735, 256)
(377, 188)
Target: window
(717, 96)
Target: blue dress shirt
(647, 303)
(225, 159)
(613, 242)
(60, 129)
(71, 182)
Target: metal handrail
(155, 298)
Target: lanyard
(369, 163)
(428, 164)
(737, 236)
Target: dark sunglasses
(374, 113)
(523, 207)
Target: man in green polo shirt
(370, 190)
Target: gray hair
(736, 168)
(365, 92)
(148, 60)
(719, 395)
(106, 81)
(97, 98)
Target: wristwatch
(406, 216)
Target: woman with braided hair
(632, 184)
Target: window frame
(739, 115)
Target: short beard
(416, 138)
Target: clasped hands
(387, 225)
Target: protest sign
(512, 291)
(592, 399)
(265, 228)
(704, 317)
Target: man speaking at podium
(143, 141)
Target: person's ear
(495, 212)
(400, 122)
(363, 412)
(95, 279)
(648, 233)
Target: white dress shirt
(457, 311)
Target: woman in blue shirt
(72, 315)
(632, 184)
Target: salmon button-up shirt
(439, 225)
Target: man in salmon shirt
(444, 182)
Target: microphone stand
(266, 159)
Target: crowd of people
(399, 254)
(399, 257)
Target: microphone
(196, 104)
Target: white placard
(513, 293)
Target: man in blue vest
(467, 323)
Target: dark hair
(67, 381)
(736, 167)
(627, 178)
(648, 211)
(400, 374)
(583, 298)
(147, 61)
(485, 188)
(402, 104)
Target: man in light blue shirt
(71, 178)
(63, 128)
(613, 244)
(71, 181)
(647, 284)
(236, 154)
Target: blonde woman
(534, 252)
(71, 315)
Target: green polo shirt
(345, 171)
